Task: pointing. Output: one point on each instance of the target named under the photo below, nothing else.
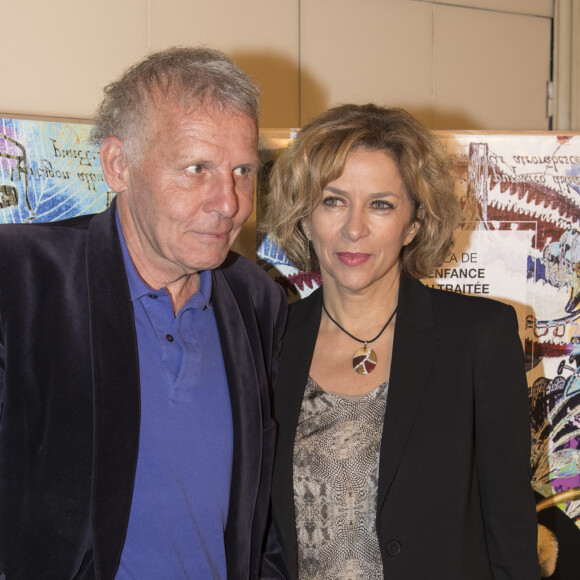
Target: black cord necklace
(364, 360)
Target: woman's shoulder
(305, 310)
(459, 313)
(309, 303)
(480, 303)
(451, 313)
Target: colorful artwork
(521, 196)
(48, 171)
(520, 243)
(296, 283)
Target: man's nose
(224, 198)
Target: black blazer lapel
(115, 391)
(293, 369)
(247, 423)
(414, 351)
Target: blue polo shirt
(182, 485)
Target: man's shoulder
(42, 238)
(30, 230)
(238, 269)
(249, 283)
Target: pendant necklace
(364, 360)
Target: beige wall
(466, 64)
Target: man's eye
(197, 168)
(243, 171)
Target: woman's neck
(367, 308)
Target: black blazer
(69, 396)
(454, 496)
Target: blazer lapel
(414, 351)
(293, 369)
(115, 391)
(247, 423)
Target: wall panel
(58, 55)
(260, 35)
(490, 70)
(369, 50)
(481, 66)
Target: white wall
(466, 64)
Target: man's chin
(208, 262)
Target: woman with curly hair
(404, 438)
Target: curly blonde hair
(317, 156)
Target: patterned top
(336, 462)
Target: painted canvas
(48, 171)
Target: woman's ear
(306, 229)
(414, 226)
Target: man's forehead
(203, 118)
(177, 104)
(181, 132)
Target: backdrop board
(519, 242)
(48, 171)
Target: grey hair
(188, 76)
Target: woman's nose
(355, 226)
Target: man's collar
(139, 288)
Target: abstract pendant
(364, 360)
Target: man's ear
(113, 163)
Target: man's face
(186, 200)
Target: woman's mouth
(353, 258)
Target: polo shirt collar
(139, 288)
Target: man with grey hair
(137, 353)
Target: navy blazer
(70, 396)
(454, 495)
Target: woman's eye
(331, 201)
(381, 204)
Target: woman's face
(360, 225)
